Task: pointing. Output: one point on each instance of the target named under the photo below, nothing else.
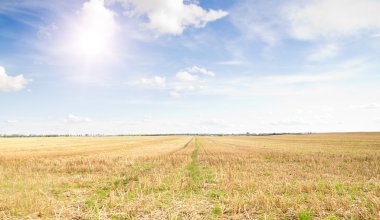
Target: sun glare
(92, 35)
(92, 43)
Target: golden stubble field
(317, 176)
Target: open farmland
(317, 176)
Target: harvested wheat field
(316, 176)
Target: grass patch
(216, 194)
(217, 210)
(305, 215)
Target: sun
(92, 35)
(91, 44)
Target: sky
(188, 66)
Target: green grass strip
(193, 167)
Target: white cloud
(324, 52)
(11, 83)
(153, 82)
(184, 88)
(97, 19)
(171, 16)
(196, 69)
(369, 106)
(191, 73)
(272, 21)
(72, 119)
(191, 79)
(185, 76)
(311, 20)
(188, 80)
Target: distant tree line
(179, 134)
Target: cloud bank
(272, 21)
(171, 16)
(11, 83)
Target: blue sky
(174, 66)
